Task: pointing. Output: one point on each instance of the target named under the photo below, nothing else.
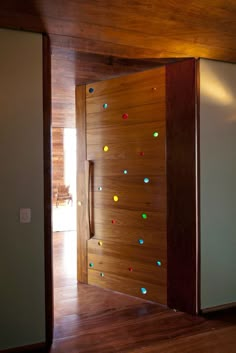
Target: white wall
(218, 182)
(22, 315)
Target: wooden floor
(94, 320)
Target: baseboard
(33, 348)
(218, 308)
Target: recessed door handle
(89, 196)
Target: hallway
(93, 320)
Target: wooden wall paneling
(130, 217)
(145, 90)
(82, 186)
(140, 166)
(129, 270)
(129, 56)
(147, 29)
(71, 67)
(135, 258)
(151, 112)
(94, 46)
(144, 253)
(140, 201)
(126, 133)
(129, 227)
(63, 88)
(57, 160)
(122, 84)
(137, 181)
(152, 239)
(47, 120)
(182, 236)
(124, 151)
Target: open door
(122, 184)
(137, 185)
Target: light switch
(25, 215)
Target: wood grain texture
(138, 151)
(93, 41)
(112, 118)
(137, 263)
(57, 160)
(153, 188)
(139, 166)
(144, 254)
(120, 224)
(155, 239)
(134, 134)
(130, 199)
(119, 283)
(128, 227)
(82, 187)
(106, 265)
(71, 67)
(149, 79)
(89, 319)
(139, 89)
(182, 234)
(150, 29)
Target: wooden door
(122, 218)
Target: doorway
(63, 210)
(64, 179)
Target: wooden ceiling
(98, 39)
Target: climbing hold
(155, 134)
(143, 290)
(130, 269)
(125, 116)
(115, 198)
(100, 188)
(105, 148)
(141, 241)
(91, 264)
(125, 171)
(91, 90)
(144, 215)
(105, 105)
(100, 243)
(141, 153)
(113, 221)
(159, 263)
(102, 274)
(146, 180)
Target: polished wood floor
(94, 320)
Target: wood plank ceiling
(98, 39)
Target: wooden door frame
(47, 190)
(182, 185)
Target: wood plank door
(122, 203)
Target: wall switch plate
(25, 215)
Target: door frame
(47, 190)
